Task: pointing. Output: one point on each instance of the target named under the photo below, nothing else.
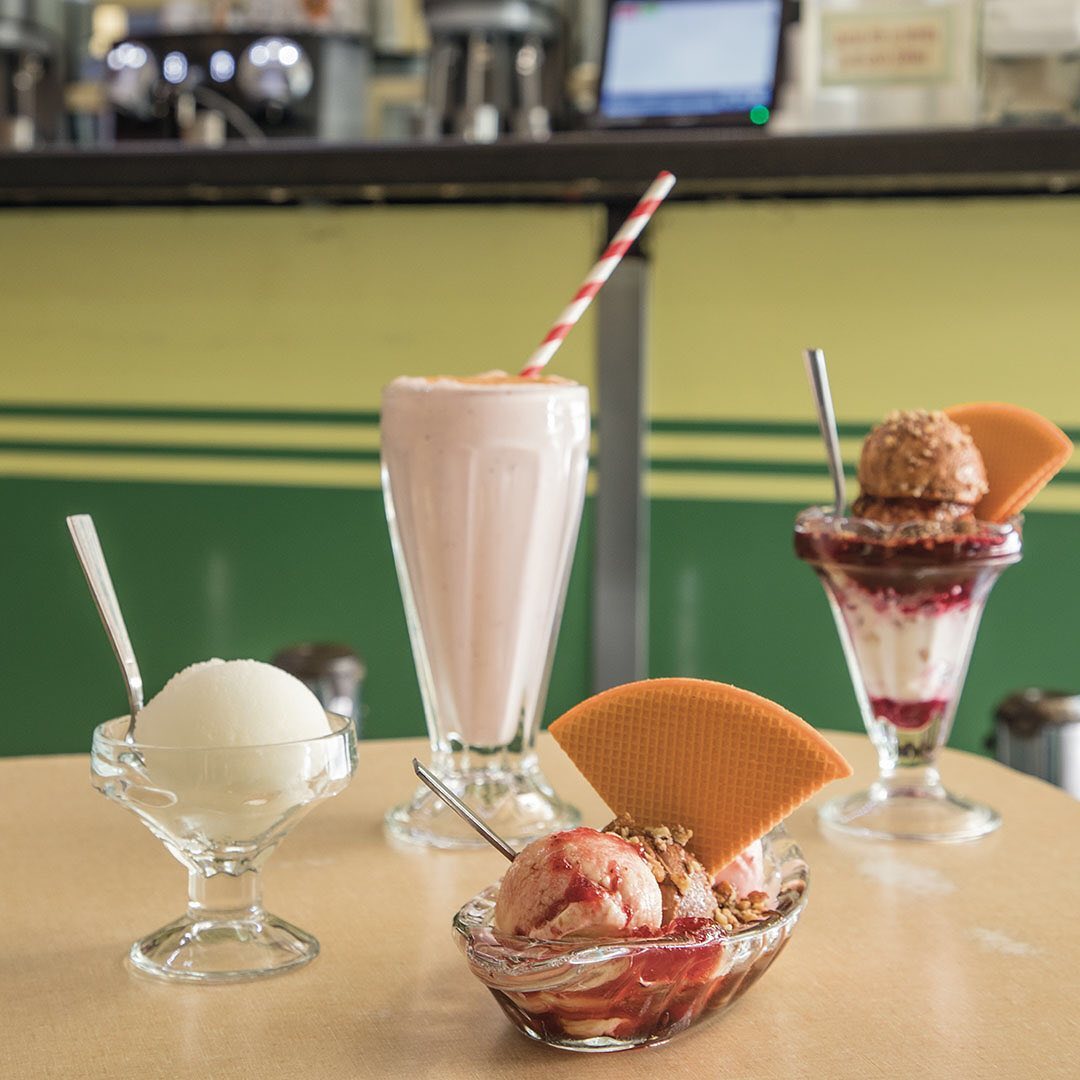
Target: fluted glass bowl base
(199, 949)
(931, 813)
(519, 805)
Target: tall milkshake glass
(484, 482)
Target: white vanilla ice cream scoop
(231, 703)
(578, 883)
(227, 751)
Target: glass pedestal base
(198, 948)
(517, 803)
(893, 810)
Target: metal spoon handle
(455, 804)
(92, 560)
(819, 383)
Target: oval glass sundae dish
(226, 759)
(614, 992)
(907, 576)
(607, 940)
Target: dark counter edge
(573, 167)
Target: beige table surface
(911, 960)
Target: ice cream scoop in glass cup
(221, 810)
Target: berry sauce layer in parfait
(907, 600)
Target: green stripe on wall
(132, 412)
(688, 458)
(158, 449)
(778, 468)
(656, 425)
(782, 428)
(727, 465)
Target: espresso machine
(496, 67)
(31, 77)
(266, 69)
(208, 86)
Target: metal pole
(620, 611)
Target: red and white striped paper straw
(619, 246)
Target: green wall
(205, 571)
(736, 605)
(206, 383)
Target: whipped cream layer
(907, 655)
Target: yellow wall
(918, 303)
(266, 308)
(282, 307)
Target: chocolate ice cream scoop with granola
(919, 466)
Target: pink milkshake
(484, 479)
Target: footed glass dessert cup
(484, 483)
(601, 995)
(221, 811)
(907, 601)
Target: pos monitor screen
(689, 62)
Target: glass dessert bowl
(907, 600)
(598, 995)
(221, 811)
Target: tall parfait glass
(907, 600)
(484, 482)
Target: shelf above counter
(570, 167)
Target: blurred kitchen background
(207, 71)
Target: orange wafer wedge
(719, 760)
(1021, 450)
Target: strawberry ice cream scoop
(580, 883)
(746, 872)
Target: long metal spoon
(455, 804)
(819, 382)
(92, 560)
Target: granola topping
(684, 884)
(733, 912)
(663, 848)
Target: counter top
(573, 166)
(911, 960)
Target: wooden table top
(911, 960)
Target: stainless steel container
(496, 66)
(334, 673)
(1038, 732)
(31, 60)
